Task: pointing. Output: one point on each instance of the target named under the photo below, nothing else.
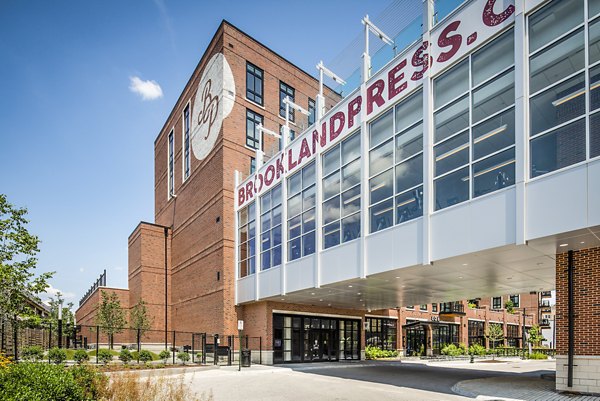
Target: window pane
(381, 158)
(409, 142)
(451, 84)
(276, 253)
(558, 149)
(308, 175)
(554, 20)
(452, 189)
(451, 154)
(351, 227)
(294, 184)
(451, 119)
(557, 62)
(294, 228)
(251, 229)
(494, 96)
(308, 221)
(381, 186)
(595, 135)
(276, 233)
(243, 216)
(351, 201)
(294, 249)
(595, 88)
(409, 205)
(331, 185)
(331, 160)
(265, 202)
(266, 260)
(558, 105)
(276, 215)
(381, 129)
(351, 148)
(331, 235)
(309, 198)
(265, 222)
(351, 175)
(493, 58)
(252, 265)
(594, 7)
(308, 243)
(494, 134)
(494, 173)
(294, 205)
(409, 173)
(331, 210)
(409, 111)
(382, 215)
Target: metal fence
(202, 348)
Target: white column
(258, 242)
(428, 200)
(521, 138)
(236, 241)
(364, 186)
(284, 232)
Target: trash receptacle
(246, 358)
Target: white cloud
(52, 292)
(81, 269)
(148, 90)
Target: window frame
(256, 76)
(171, 164)
(251, 116)
(186, 141)
(286, 90)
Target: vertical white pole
(236, 241)
(428, 140)
(521, 140)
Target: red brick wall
(586, 276)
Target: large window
(286, 91)
(341, 192)
(474, 122)
(497, 303)
(186, 142)
(515, 299)
(270, 228)
(381, 333)
(247, 240)
(512, 335)
(253, 120)
(254, 83)
(312, 110)
(301, 212)
(171, 165)
(558, 83)
(396, 164)
(476, 332)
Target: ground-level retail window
(476, 332)
(314, 339)
(381, 333)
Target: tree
(535, 336)
(68, 318)
(110, 315)
(18, 250)
(509, 306)
(494, 334)
(138, 317)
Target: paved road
(379, 381)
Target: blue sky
(76, 144)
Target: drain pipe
(571, 320)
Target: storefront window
(270, 226)
(247, 240)
(381, 333)
(341, 192)
(476, 332)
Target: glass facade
(270, 228)
(396, 164)
(314, 339)
(253, 120)
(247, 240)
(186, 142)
(512, 335)
(341, 192)
(286, 91)
(381, 333)
(301, 204)
(476, 332)
(254, 83)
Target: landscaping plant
(183, 357)
(57, 355)
(105, 356)
(145, 356)
(125, 356)
(33, 353)
(80, 356)
(164, 355)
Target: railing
(545, 322)
(452, 307)
(544, 302)
(546, 294)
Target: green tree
(138, 317)
(509, 306)
(494, 334)
(18, 250)
(535, 336)
(110, 315)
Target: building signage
(473, 25)
(213, 103)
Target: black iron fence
(200, 348)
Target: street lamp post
(60, 324)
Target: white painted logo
(213, 103)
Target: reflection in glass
(494, 173)
(452, 189)
(559, 148)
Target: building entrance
(314, 339)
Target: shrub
(105, 356)
(536, 355)
(33, 353)
(453, 350)
(477, 349)
(145, 356)
(199, 357)
(125, 356)
(40, 382)
(164, 355)
(92, 382)
(4, 361)
(183, 357)
(57, 355)
(80, 356)
(372, 352)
